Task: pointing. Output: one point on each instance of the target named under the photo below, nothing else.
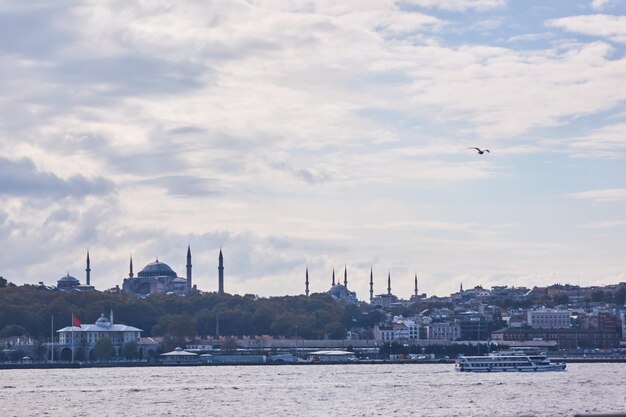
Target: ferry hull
(551, 368)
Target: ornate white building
(86, 336)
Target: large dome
(157, 269)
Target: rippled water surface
(316, 390)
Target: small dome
(68, 278)
(157, 269)
(103, 321)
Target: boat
(507, 362)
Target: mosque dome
(67, 282)
(338, 290)
(341, 293)
(103, 322)
(68, 278)
(157, 269)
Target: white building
(549, 319)
(443, 331)
(400, 329)
(86, 336)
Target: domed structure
(158, 278)
(157, 269)
(67, 282)
(340, 293)
(103, 322)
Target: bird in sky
(480, 152)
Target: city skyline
(309, 134)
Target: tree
(129, 350)
(597, 296)
(103, 349)
(230, 345)
(335, 331)
(3, 282)
(12, 330)
(561, 299)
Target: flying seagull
(479, 151)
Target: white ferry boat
(507, 362)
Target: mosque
(341, 292)
(159, 278)
(70, 283)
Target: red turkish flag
(75, 321)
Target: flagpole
(72, 337)
(52, 339)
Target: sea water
(312, 390)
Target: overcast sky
(317, 133)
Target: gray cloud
(28, 28)
(185, 185)
(21, 178)
(131, 75)
(63, 215)
(306, 175)
(185, 130)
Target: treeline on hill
(27, 310)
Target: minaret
(371, 284)
(345, 277)
(306, 283)
(88, 270)
(333, 277)
(416, 285)
(111, 317)
(389, 283)
(461, 290)
(220, 269)
(189, 287)
(130, 274)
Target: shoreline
(87, 365)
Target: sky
(315, 133)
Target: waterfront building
(516, 321)
(443, 331)
(330, 356)
(179, 355)
(400, 329)
(601, 320)
(549, 319)
(82, 338)
(566, 338)
(474, 326)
